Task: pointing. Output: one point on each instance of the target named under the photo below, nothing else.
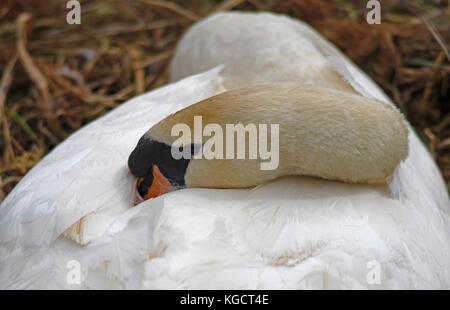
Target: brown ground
(58, 77)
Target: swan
(78, 203)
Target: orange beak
(159, 186)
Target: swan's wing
(280, 235)
(88, 171)
(297, 233)
(113, 260)
(293, 233)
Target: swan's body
(292, 233)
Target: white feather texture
(292, 233)
(86, 175)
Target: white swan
(295, 232)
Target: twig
(104, 32)
(35, 74)
(5, 83)
(154, 59)
(228, 5)
(22, 123)
(9, 180)
(173, 7)
(28, 64)
(139, 72)
(429, 86)
(2, 193)
(437, 36)
(433, 141)
(84, 93)
(442, 124)
(443, 144)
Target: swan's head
(319, 132)
(156, 169)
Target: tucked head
(158, 172)
(322, 132)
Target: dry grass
(58, 77)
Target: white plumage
(291, 233)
